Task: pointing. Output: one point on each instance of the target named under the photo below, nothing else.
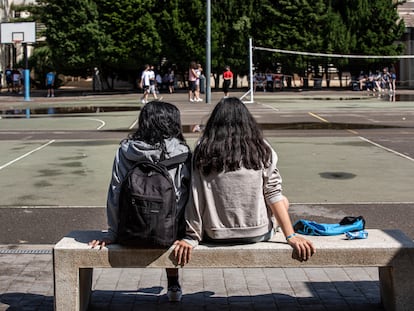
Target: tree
(290, 25)
(133, 32)
(120, 36)
(326, 26)
(232, 25)
(74, 35)
(375, 28)
(182, 31)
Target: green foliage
(74, 35)
(182, 28)
(133, 35)
(374, 29)
(41, 62)
(120, 36)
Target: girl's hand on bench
(303, 248)
(182, 252)
(100, 243)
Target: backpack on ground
(148, 205)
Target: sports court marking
(27, 154)
(366, 139)
(49, 206)
(353, 203)
(318, 117)
(386, 149)
(268, 106)
(98, 120)
(133, 124)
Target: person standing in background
(228, 77)
(192, 79)
(199, 71)
(393, 79)
(9, 78)
(50, 84)
(171, 80)
(153, 83)
(16, 81)
(144, 83)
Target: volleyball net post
(250, 91)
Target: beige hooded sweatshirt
(232, 205)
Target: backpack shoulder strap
(175, 161)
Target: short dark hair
(158, 121)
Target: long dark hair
(158, 121)
(231, 139)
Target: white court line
(352, 203)
(98, 120)
(318, 117)
(133, 124)
(27, 154)
(387, 149)
(273, 108)
(292, 204)
(367, 140)
(50, 206)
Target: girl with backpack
(158, 137)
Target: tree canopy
(120, 36)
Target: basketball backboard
(24, 32)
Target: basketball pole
(26, 74)
(208, 52)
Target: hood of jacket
(134, 150)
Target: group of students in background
(148, 84)
(14, 80)
(268, 81)
(195, 76)
(151, 82)
(195, 72)
(379, 81)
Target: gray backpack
(148, 205)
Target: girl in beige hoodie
(236, 186)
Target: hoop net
(17, 43)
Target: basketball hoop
(17, 38)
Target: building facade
(406, 65)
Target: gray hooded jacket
(129, 152)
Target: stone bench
(389, 250)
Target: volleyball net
(326, 56)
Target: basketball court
(340, 154)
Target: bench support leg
(72, 284)
(85, 287)
(66, 289)
(396, 285)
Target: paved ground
(341, 153)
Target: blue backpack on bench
(347, 224)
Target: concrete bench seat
(389, 250)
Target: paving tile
(28, 285)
